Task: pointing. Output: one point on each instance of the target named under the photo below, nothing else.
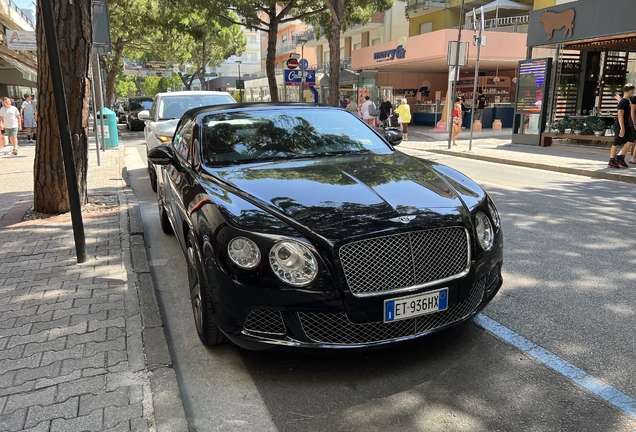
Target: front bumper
(314, 329)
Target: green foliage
(562, 124)
(154, 85)
(595, 124)
(355, 12)
(236, 94)
(577, 124)
(125, 86)
(567, 80)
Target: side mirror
(143, 115)
(162, 155)
(393, 136)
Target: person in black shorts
(633, 111)
(623, 129)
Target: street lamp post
(239, 71)
(302, 41)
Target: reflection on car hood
(167, 127)
(349, 193)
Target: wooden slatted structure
(613, 79)
(568, 78)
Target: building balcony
(512, 24)
(415, 8)
(377, 21)
(12, 12)
(286, 48)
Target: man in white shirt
(11, 122)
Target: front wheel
(201, 301)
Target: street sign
(292, 64)
(476, 40)
(240, 85)
(452, 53)
(304, 64)
(294, 77)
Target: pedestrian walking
(352, 107)
(457, 119)
(386, 110)
(404, 111)
(29, 114)
(481, 105)
(11, 122)
(365, 109)
(623, 130)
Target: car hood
(340, 197)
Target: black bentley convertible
(303, 227)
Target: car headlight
(244, 252)
(163, 138)
(485, 234)
(293, 263)
(494, 213)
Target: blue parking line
(606, 392)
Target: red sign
(292, 64)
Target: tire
(200, 299)
(153, 177)
(163, 219)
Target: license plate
(421, 304)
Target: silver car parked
(167, 108)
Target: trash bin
(111, 137)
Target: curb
(545, 167)
(150, 337)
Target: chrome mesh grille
(336, 329)
(265, 321)
(398, 261)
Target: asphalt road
(569, 288)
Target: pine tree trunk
(73, 24)
(333, 38)
(270, 61)
(113, 69)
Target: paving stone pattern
(71, 356)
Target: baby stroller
(393, 121)
(391, 130)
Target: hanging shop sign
(21, 40)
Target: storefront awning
(501, 5)
(346, 78)
(627, 43)
(28, 73)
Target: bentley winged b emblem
(403, 219)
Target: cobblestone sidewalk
(82, 346)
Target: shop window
(426, 27)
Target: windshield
(137, 105)
(286, 133)
(171, 107)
